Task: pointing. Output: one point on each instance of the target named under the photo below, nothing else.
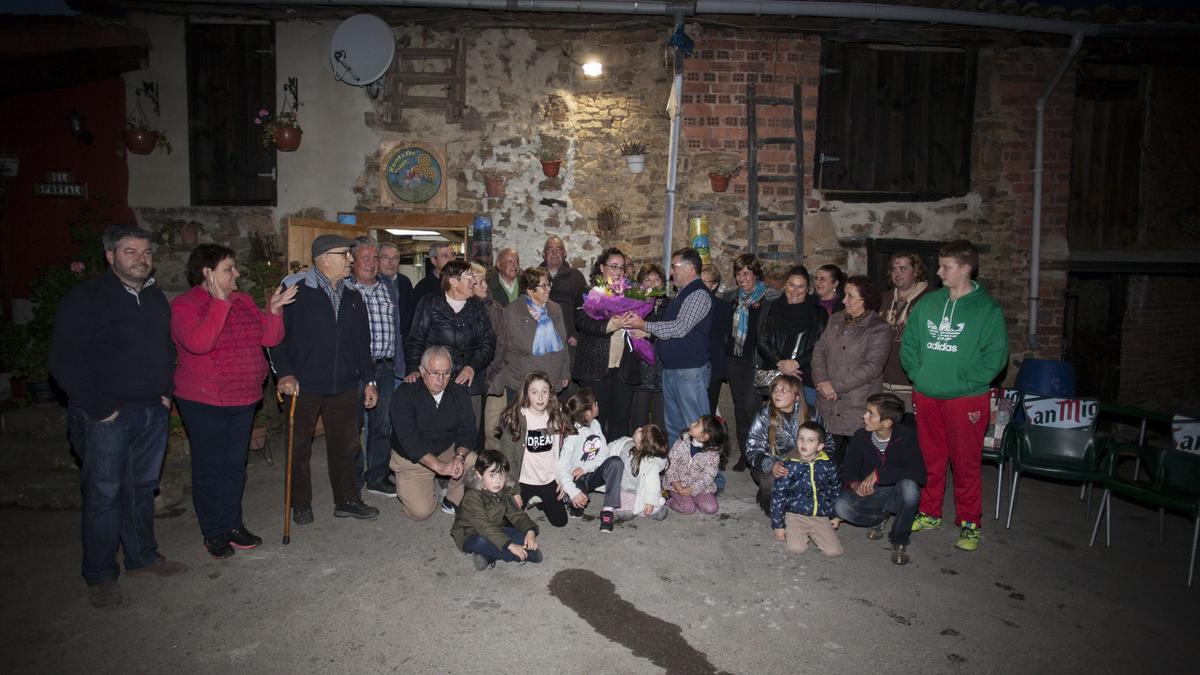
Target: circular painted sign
(413, 175)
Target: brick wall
(1160, 355)
(714, 130)
(1010, 81)
(997, 214)
(1160, 358)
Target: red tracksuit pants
(951, 430)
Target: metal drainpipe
(1039, 146)
(673, 154)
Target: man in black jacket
(111, 353)
(324, 359)
(433, 434)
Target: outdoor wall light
(78, 124)
(593, 68)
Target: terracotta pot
(287, 139)
(550, 167)
(494, 185)
(140, 141)
(719, 183)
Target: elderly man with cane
(322, 362)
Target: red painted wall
(34, 126)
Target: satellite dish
(361, 50)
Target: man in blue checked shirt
(381, 317)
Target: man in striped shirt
(381, 317)
(683, 344)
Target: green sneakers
(968, 537)
(924, 522)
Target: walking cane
(287, 481)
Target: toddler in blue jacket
(802, 501)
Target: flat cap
(328, 242)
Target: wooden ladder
(453, 78)
(753, 101)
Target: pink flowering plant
(608, 299)
(25, 348)
(287, 117)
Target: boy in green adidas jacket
(954, 345)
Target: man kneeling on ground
(433, 434)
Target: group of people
(484, 392)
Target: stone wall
(524, 87)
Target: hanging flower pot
(494, 186)
(287, 139)
(720, 183)
(550, 167)
(140, 141)
(637, 163)
(720, 176)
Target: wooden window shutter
(231, 76)
(894, 122)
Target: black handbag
(763, 379)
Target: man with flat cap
(324, 361)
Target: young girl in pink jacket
(694, 461)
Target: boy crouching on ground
(884, 471)
(489, 524)
(803, 498)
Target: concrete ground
(690, 594)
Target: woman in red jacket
(219, 335)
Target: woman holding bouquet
(641, 382)
(601, 344)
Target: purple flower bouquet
(603, 302)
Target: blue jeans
(477, 543)
(121, 464)
(219, 437)
(901, 499)
(685, 398)
(378, 446)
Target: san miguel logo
(1064, 413)
(942, 335)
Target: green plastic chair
(1001, 453)
(1066, 454)
(1174, 484)
(1000, 456)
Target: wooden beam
(416, 220)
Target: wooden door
(302, 231)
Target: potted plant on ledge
(551, 155)
(635, 156)
(140, 138)
(720, 176)
(283, 130)
(493, 182)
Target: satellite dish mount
(361, 51)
